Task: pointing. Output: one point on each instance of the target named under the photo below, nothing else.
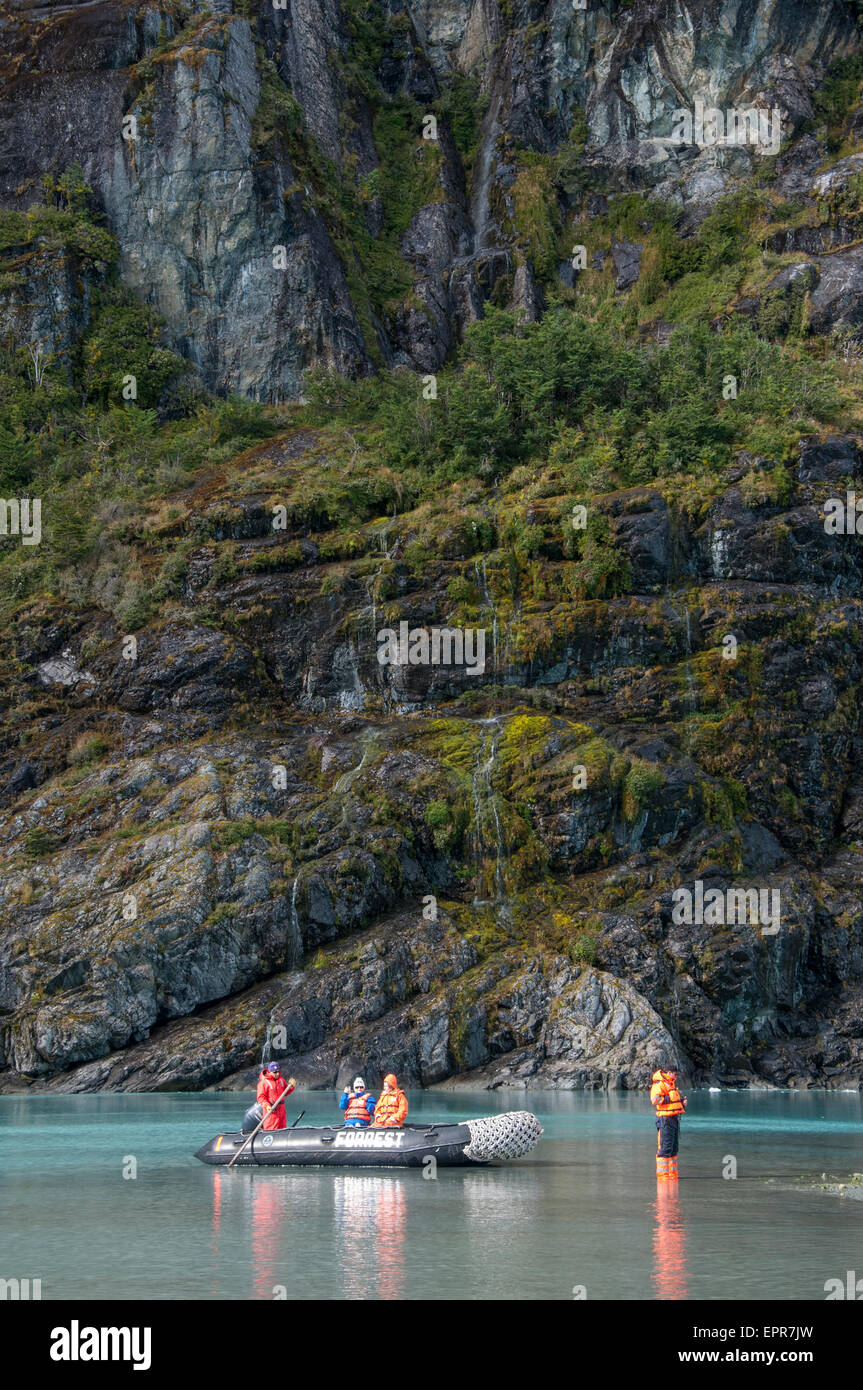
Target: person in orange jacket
(670, 1105)
(392, 1108)
(270, 1088)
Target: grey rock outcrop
(224, 202)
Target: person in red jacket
(270, 1088)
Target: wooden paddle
(286, 1091)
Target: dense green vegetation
(577, 394)
(839, 90)
(569, 395)
(587, 400)
(62, 222)
(627, 413)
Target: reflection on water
(584, 1210)
(219, 1180)
(266, 1237)
(371, 1218)
(669, 1243)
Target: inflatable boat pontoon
(473, 1142)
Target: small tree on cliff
(69, 192)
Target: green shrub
(462, 104)
(584, 950)
(123, 341)
(460, 589)
(63, 220)
(135, 608)
(447, 824)
(640, 782)
(38, 843)
(839, 91)
(238, 418)
(88, 749)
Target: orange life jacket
(357, 1109)
(391, 1109)
(664, 1096)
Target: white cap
(359, 1084)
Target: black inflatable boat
(409, 1146)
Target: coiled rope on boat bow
(503, 1136)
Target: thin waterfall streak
(490, 605)
(486, 809)
(296, 941)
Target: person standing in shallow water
(669, 1105)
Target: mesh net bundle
(503, 1136)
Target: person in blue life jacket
(359, 1105)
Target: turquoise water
(583, 1210)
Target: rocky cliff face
(213, 138)
(230, 812)
(243, 833)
